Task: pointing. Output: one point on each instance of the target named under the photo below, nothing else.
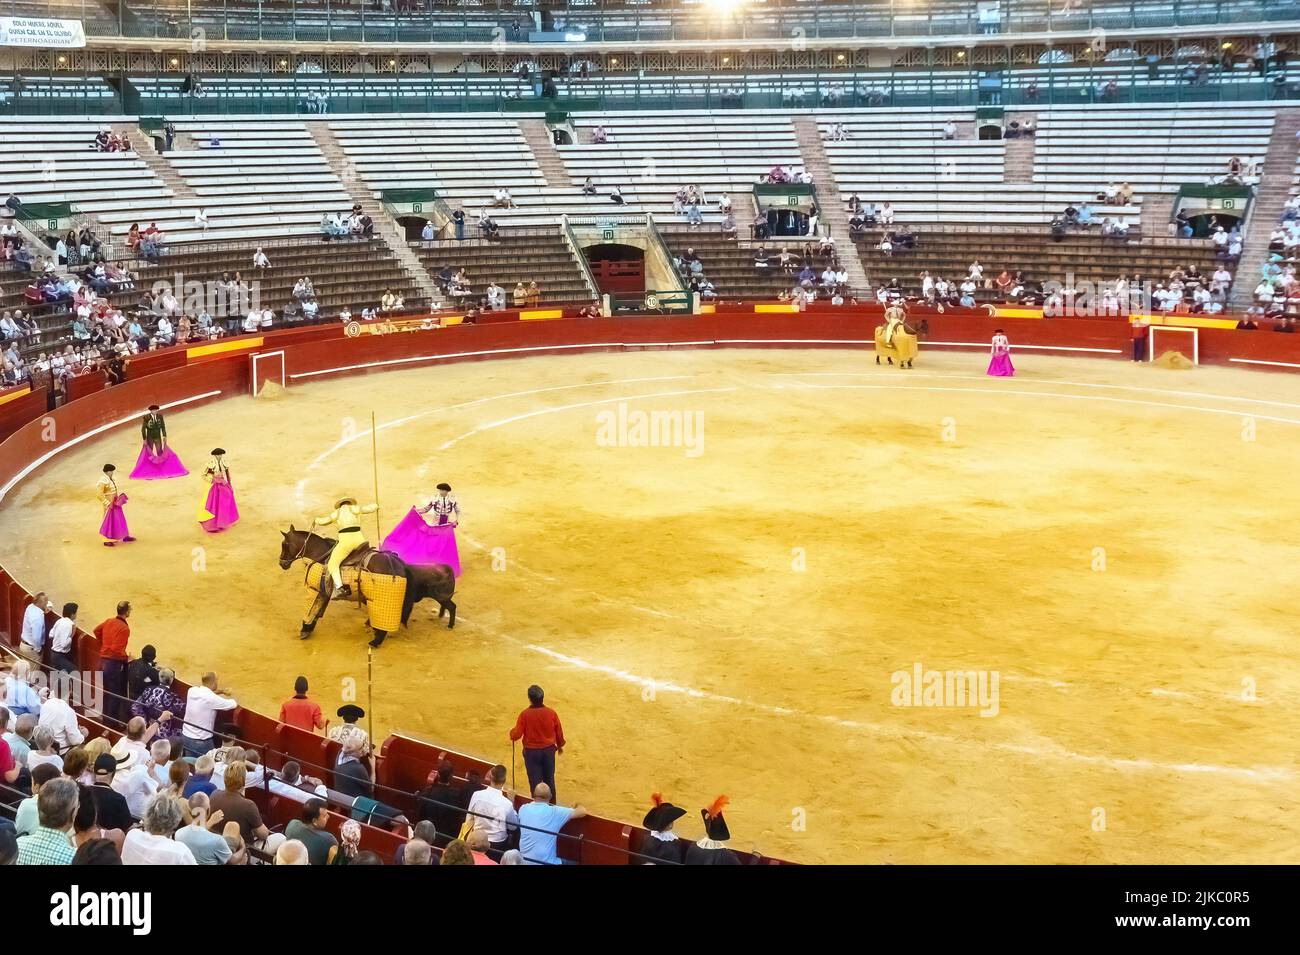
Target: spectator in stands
(153, 842)
(26, 818)
(616, 196)
(534, 294)
(236, 807)
(501, 199)
(111, 808)
(12, 205)
(456, 853)
(351, 773)
(728, 226)
(440, 801)
(260, 259)
(663, 846)
(202, 703)
(588, 187)
(886, 214)
(56, 807)
(493, 813)
(712, 849)
(520, 295)
(950, 130)
(540, 822)
(487, 225)
(207, 847)
(599, 134)
(300, 712)
(311, 829)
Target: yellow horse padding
(902, 348)
(382, 594)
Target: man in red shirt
(539, 728)
(113, 635)
(300, 712)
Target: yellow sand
(1123, 556)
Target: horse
(386, 584)
(903, 346)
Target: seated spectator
(539, 825)
(616, 196)
(487, 225)
(260, 259)
(599, 134)
(949, 130)
(428, 232)
(48, 844)
(520, 295)
(501, 199)
(310, 829)
(761, 261)
(154, 843)
(588, 187)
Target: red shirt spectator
(539, 727)
(300, 712)
(113, 634)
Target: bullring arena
(867, 428)
(727, 614)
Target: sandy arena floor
(1116, 542)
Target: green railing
(522, 21)
(61, 92)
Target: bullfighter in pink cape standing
(427, 534)
(1000, 356)
(157, 460)
(113, 527)
(219, 510)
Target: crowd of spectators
(353, 224)
(157, 775)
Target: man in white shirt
(291, 784)
(33, 635)
(492, 810)
(152, 843)
(136, 786)
(254, 320)
(60, 719)
(202, 704)
(133, 745)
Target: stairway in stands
(142, 145)
(833, 212)
(1270, 196)
(1018, 160)
(538, 136)
(386, 227)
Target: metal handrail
(575, 247)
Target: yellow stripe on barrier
(1185, 321)
(708, 309)
(778, 307)
(217, 348)
(451, 320)
(13, 396)
(999, 312)
(539, 315)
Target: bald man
(539, 827)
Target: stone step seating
(520, 255)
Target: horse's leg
(314, 613)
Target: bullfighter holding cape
(113, 527)
(219, 510)
(157, 460)
(427, 534)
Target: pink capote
(417, 543)
(151, 467)
(114, 524)
(221, 505)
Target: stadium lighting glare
(725, 8)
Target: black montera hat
(714, 825)
(662, 814)
(350, 711)
(444, 486)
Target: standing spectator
(153, 842)
(142, 673)
(300, 712)
(539, 825)
(543, 739)
(202, 704)
(260, 260)
(311, 830)
(33, 635)
(61, 635)
(113, 635)
(492, 812)
(49, 844)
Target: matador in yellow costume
(347, 514)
